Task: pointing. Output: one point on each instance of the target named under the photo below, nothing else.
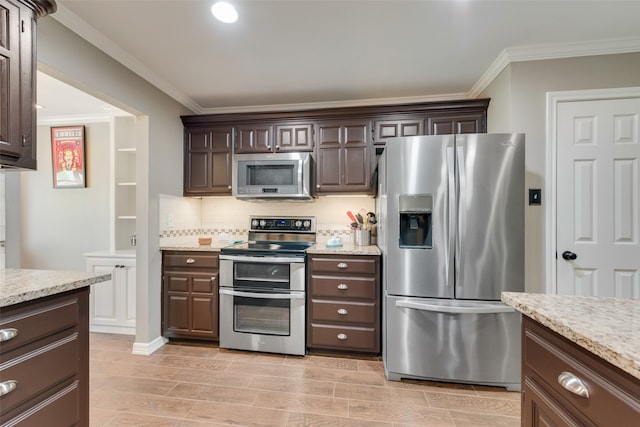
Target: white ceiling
(291, 54)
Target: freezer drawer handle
(343, 286)
(8, 334)
(7, 387)
(479, 309)
(190, 260)
(342, 311)
(572, 383)
(342, 337)
(343, 265)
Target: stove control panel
(272, 223)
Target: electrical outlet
(170, 222)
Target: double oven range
(262, 286)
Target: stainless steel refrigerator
(451, 230)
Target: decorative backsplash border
(324, 232)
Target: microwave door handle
(260, 295)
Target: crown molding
(336, 104)
(552, 51)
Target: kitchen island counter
(19, 285)
(606, 327)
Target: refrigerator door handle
(476, 309)
(451, 218)
(462, 210)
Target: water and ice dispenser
(415, 220)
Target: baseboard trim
(146, 349)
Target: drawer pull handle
(8, 334)
(342, 336)
(190, 260)
(343, 286)
(7, 387)
(343, 265)
(572, 383)
(342, 311)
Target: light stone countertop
(18, 286)
(607, 327)
(318, 248)
(346, 249)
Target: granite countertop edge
(318, 248)
(603, 326)
(22, 285)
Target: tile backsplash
(184, 219)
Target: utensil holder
(362, 237)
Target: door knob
(569, 256)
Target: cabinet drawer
(614, 399)
(39, 370)
(343, 287)
(343, 312)
(37, 321)
(63, 408)
(357, 264)
(343, 338)
(191, 259)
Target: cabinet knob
(343, 265)
(190, 261)
(574, 384)
(213, 278)
(229, 187)
(342, 337)
(342, 311)
(343, 286)
(8, 334)
(277, 147)
(7, 387)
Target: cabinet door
(112, 304)
(397, 127)
(254, 138)
(294, 137)
(539, 409)
(221, 158)
(473, 122)
(27, 89)
(207, 165)
(10, 127)
(344, 157)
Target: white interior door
(598, 198)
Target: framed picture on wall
(68, 158)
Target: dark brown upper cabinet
(18, 80)
(344, 157)
(406, 125)
(344, 141)
(254, 138)
(207, 160)
(294, 137)
(456, 123)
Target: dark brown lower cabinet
(343, 303)
(611, 396)
(190, 295)
(44, 361)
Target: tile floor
(201, 385)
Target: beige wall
(60, 224)
(526, 91)
(69, 58)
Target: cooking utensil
(351, 217)
(360, 219)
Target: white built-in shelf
(127, 184)
(126, 150)
(126, 217)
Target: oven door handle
(260, 295)
(264, 259)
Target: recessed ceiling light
(224, 12)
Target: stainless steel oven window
(262, 316)
(253, 275)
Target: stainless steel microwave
(272, 176)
